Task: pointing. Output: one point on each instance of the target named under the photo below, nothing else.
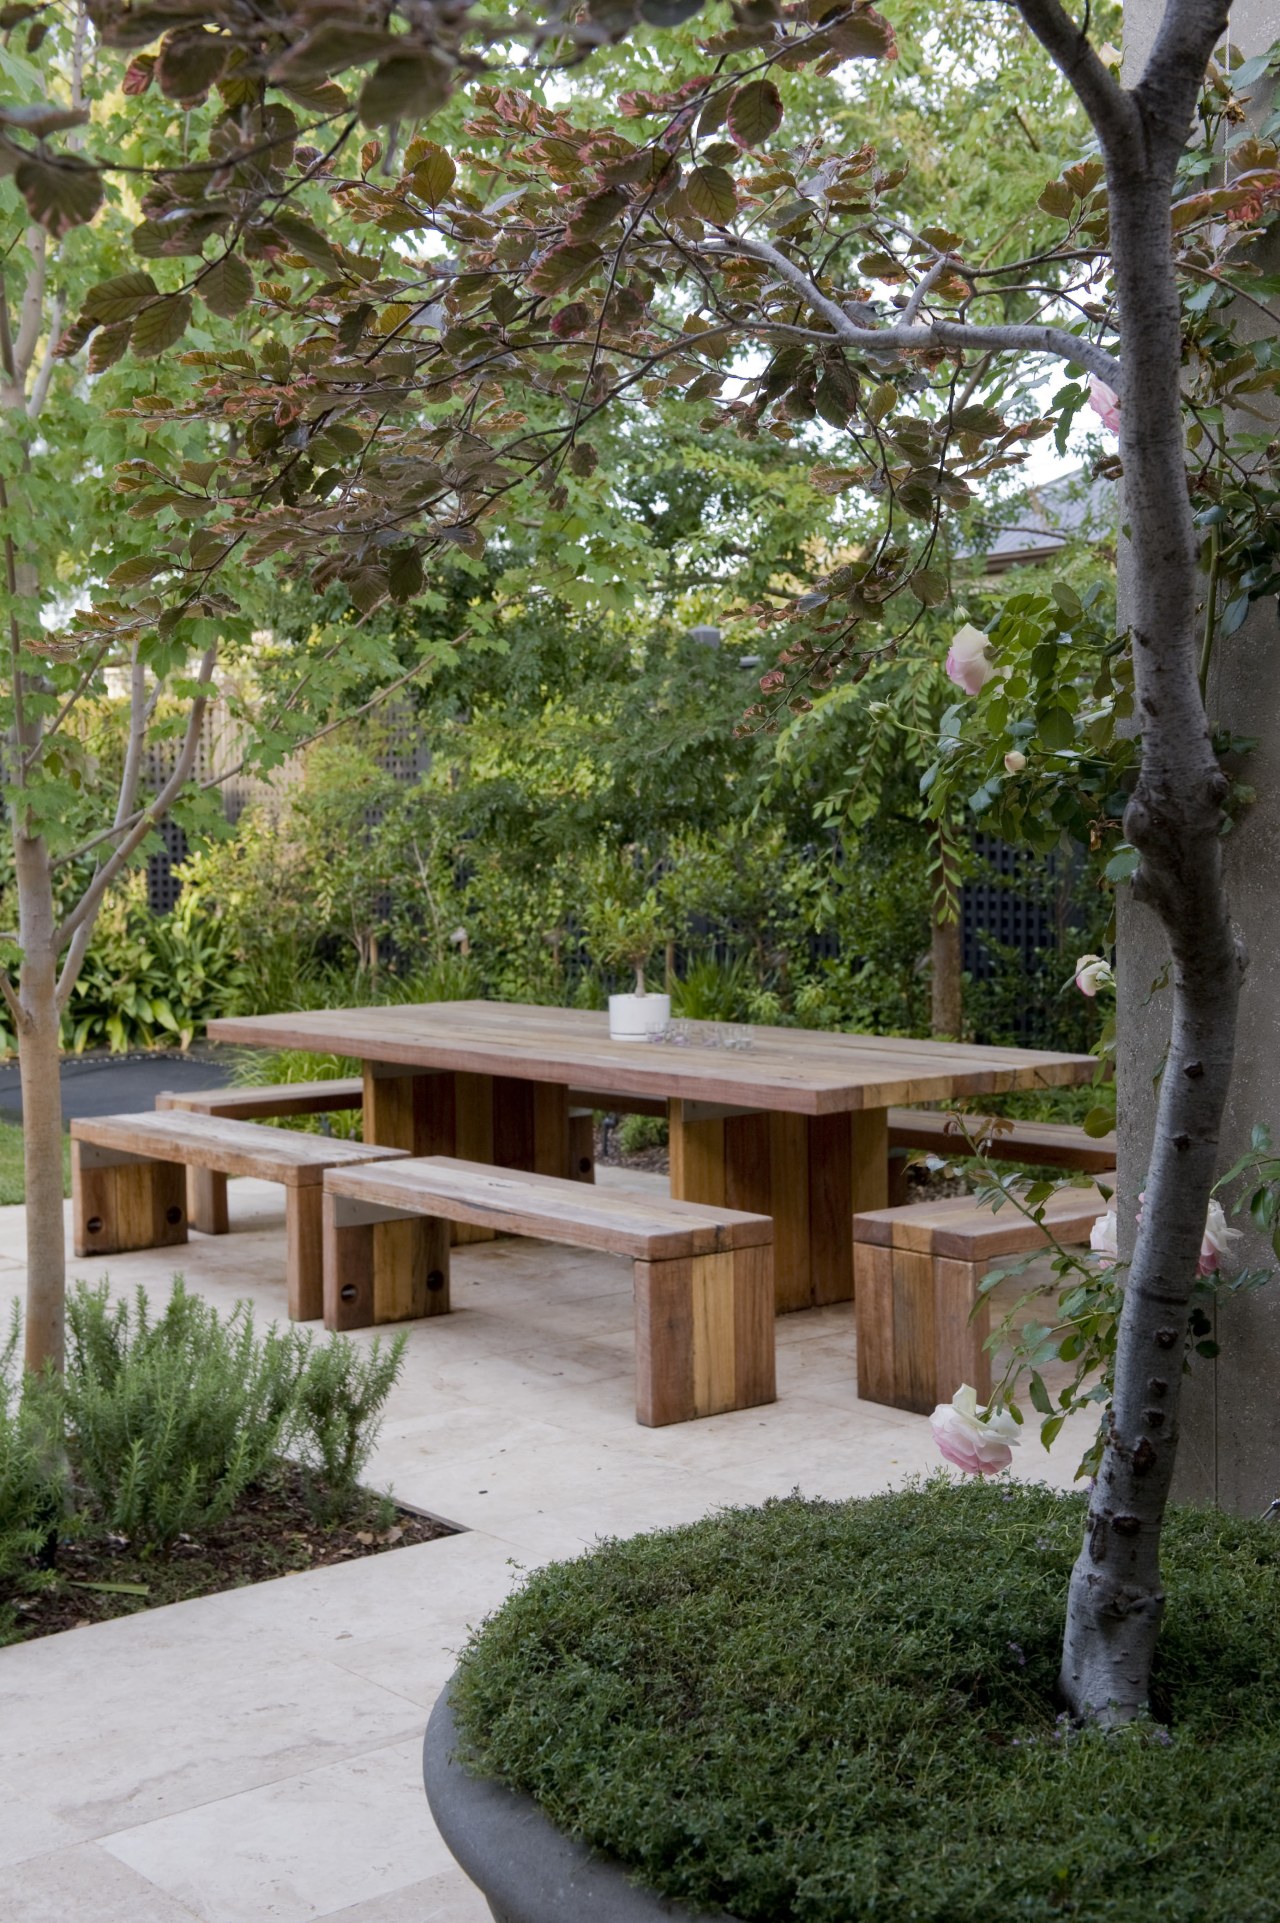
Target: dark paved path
(121, 1084)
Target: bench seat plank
(647, 1228)
(280, 1098)
(968, 1230)
(702, 1277)
(230, 1147)
(1046, 1144)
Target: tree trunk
(1116, 1597)
(41, 1107)
(946, 955)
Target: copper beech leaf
(160, 325)
(564, 266)
(433, 172)
(408, 86)
(710, 192)
(189, 62)
(60, 193)
(119, 298)
(227, 286)
(755, 113)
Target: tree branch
(1109, 107)
(91, 900)
(1170, 85)
(916, 336)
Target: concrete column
(1230, 1447)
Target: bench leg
(122, 1205)
(918, 1341)
(207, 1201)
(382, 1267)
(304, 1260)
(704, 1335)
(582, 1145)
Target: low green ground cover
(837, 1711)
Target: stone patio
(255, 1755)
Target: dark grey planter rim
(527, 1869)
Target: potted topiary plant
(624, 924)
(833, 1710)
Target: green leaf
(227, 286)
(711, 193)
(120, 297)
(755, 113)
(1124, 864)
(883, 401)
(60, 193)
(1050, 1430)
(1056, 728)
(1058, 200)
(332, 47)
(408, 86)
(111, 1588)
(160, 325)
(1039, 1394)
(1099, 1122)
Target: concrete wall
(1230, 1449)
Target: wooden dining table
(794, 1125)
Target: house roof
(1045, 518)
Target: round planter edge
(527, 1870)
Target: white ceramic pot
(634, 1017)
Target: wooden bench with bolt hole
(916, 1277)
(129, 1191)
(206, 1189)
(703, 1276)
(1042, 1144)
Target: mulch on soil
(272, 1533)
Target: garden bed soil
(272, 1533)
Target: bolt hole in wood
(434, 1281)
(95, 1225)
(348, 1292)
(173, 1215)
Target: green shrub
(636, 1133)
(835, 1711)
(33, 1473)
(338, 1400)
(172, 1419)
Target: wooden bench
(207, 1190)
(916, 1273)
(703, 1277)
(128, 1184)
(1042, 1144)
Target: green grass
(12, 1181)
(826, 1712)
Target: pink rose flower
(1105, 403)
(1092, 973)
(968, 662)
(1015, 761)
(1217, 1240)
(980, 1448)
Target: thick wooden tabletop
(805, 1071)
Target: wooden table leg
(122, 1202)
(207, 1201)
(811, 1173)
(304, 1252)
(509, 1122)
(380, 1266)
